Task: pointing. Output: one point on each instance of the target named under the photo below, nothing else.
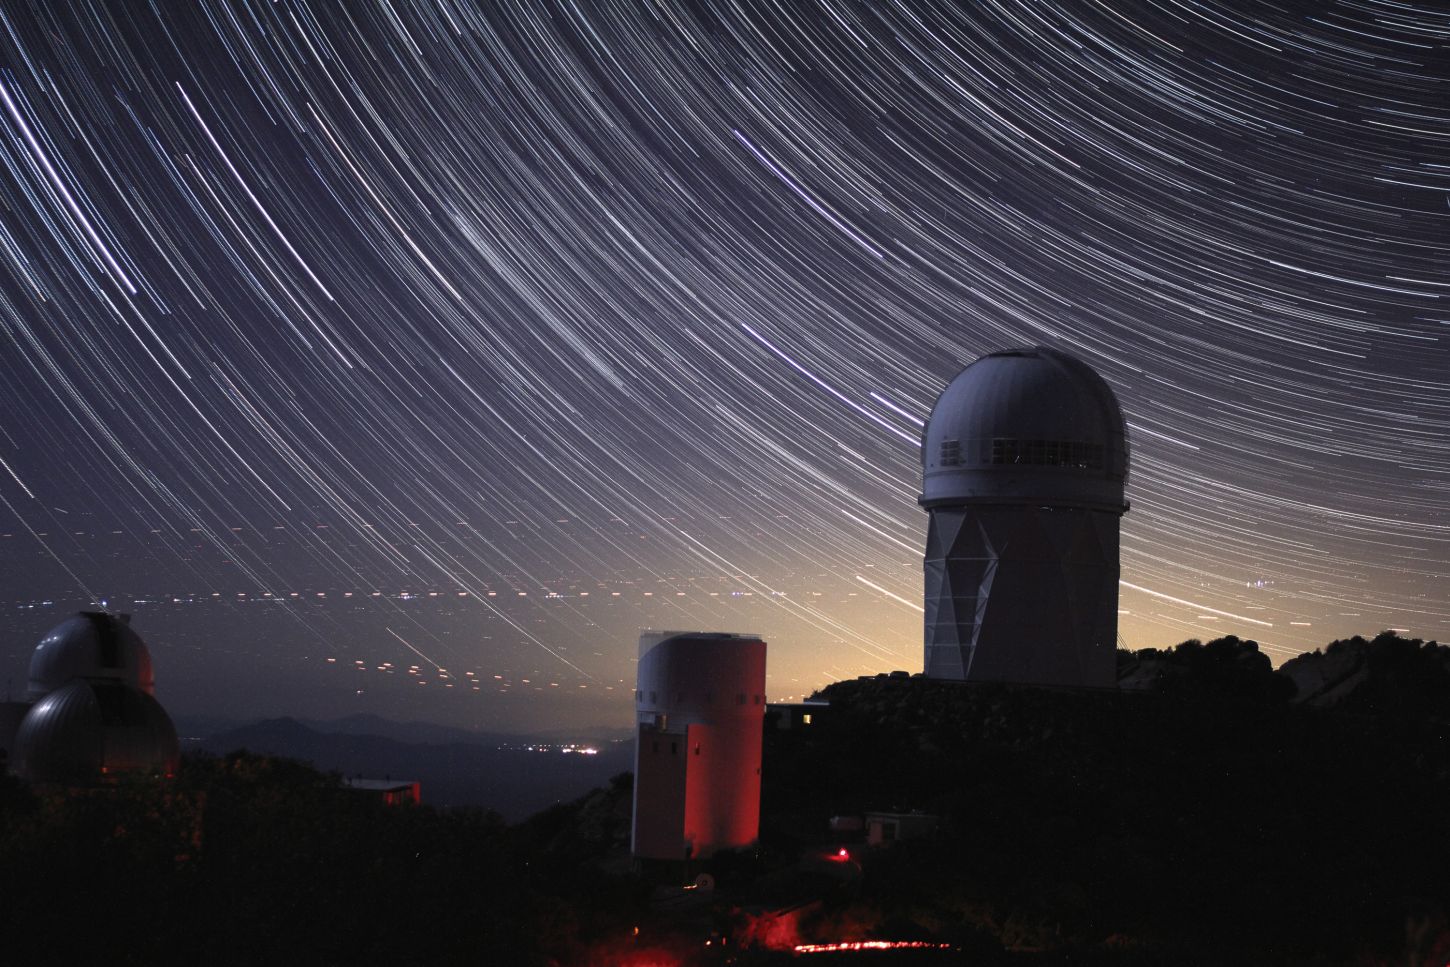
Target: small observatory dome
(1026, 426)
(92, 645)
(89, 731)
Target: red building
(392, 792)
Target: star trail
(359, 345)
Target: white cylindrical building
(700, 711)
(1024, 460)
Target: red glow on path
(848, 945)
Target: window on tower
(1006, 451)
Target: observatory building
(700, 721)
(90, 713)
(1024, 461)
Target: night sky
(412, 358)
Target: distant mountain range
(518, 775)
(513, 775)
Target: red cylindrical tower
(700, 717)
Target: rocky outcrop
(1225, 668)
(1387, 675)
(1326, 677)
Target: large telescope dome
(1026, 426)
(1024, 460)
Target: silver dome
(1026, 426)
(89, 731)
(93, 645)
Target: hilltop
(1214, 811)
(1209, 808)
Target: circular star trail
(579, 319)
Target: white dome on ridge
(93, 645)
(1033, 426)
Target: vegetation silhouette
(245, 859)
(1212, 811)
(1204, 814)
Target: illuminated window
(806, 719)
(1044, 453)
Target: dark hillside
(1204, 816)
(1197, 814)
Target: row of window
(1001, 451)
(709, 698)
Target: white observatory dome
(1026, 426)
(92, 645)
